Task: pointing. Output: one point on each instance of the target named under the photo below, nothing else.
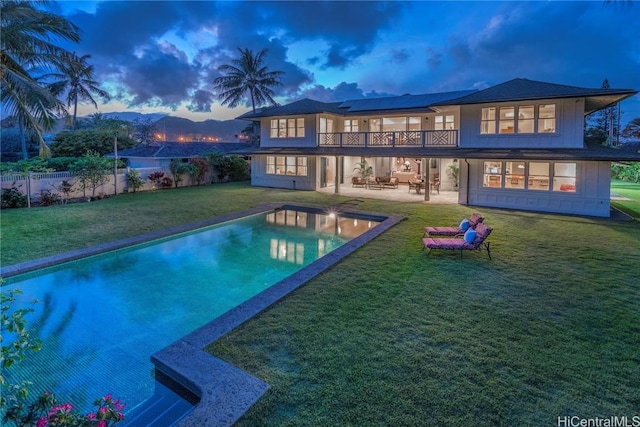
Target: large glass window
(564, 177)
(287, 128)
(444, 122)
(538, 176)
(488, 123)
(506, 124)
(286, 165)
(492, 174)
(530, 175)
(520, 119)
(547, 118)
(351, 125)
(525, 119)
(515, 173)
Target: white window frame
(287, 127)
(506, 119)
(287, 165)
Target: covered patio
(400, 194)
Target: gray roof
(524, 89)
(404, 102)
(175, 150)
(303, 106)
(590, 151)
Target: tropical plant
(27, 46)
(632, 129)
(626, 172)
(134, 181)
(178, 168)
(363, 169)
(156, 178)
(247, 77)
(75, 77)
(45, 409)
(201, 168)
(13, 197)
(101, 140)
(454, 173)
(92, 171)
(143, 130)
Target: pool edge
(227, 392)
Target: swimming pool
(100, 318)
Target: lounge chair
(358, 182)
(473, 240)
(473, 221)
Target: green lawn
(630, 191)
(549, 328)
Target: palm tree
(76, 77)
(247, 77)
(27, 45)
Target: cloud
(201, 101)
(340, 92)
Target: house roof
(590, 151)
(303, 106)
(524, 89)
(174, 150)
(404, 102)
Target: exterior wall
(260, 178)
(592, 198)
(309, 139)
(569, 127)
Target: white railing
(422, 138)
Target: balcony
(423, 138)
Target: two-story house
(517, 145)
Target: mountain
(176, 128)
(130, 116)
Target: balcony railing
(422, 138)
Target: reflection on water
(101, 318)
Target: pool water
(101, 318)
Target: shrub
(47, 198)
(200, 170)
(134, 181)
(92, 171)
(626, 172)
(166, 182)
(13, 198)
(156, 178)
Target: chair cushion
(470, 235)
(464, 225)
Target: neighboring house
(160, 154)
(517, 145)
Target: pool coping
(225, 392)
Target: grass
(630, 191)
(391, 336)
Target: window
(525, 119)
(515, 173)
(286, 165)
(351, 125)
(444, 122)
(530, 175)
(530, 119)
(538, 176)
(492, 174)
(287, 128)
(564, 177)
(326, 125)
(488, 123)
(506, 123)
(547, 118)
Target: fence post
(29, 189)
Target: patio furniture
(454, 230)
(434, 183)
(373, 183)
(358, 182)
(387, 181)
(416, 186)
(473, 240)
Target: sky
(162, 56)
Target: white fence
(33, 183)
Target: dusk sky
(162, 56)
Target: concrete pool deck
(225, 392)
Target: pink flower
(42, 422)
(108, 397)
(91, 416)
(101, 423)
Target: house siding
(569, 127)
(592, 196)
(260, 178)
